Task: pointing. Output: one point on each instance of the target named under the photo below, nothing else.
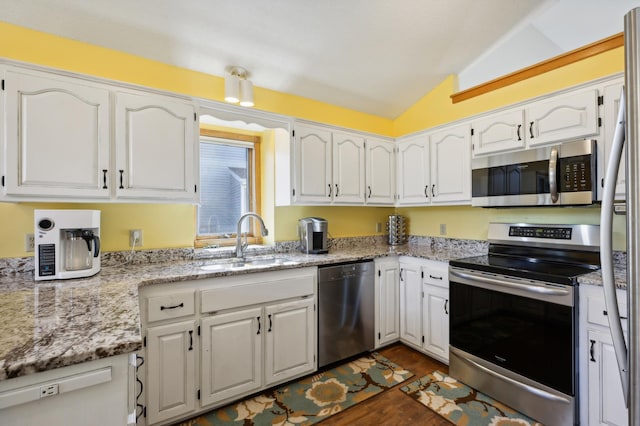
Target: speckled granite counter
(51, 324)
(619, 273)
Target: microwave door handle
(553, 175)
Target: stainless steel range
(513, 317)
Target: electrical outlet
(48, 390)
(29, 242)
(443, 229)
(135, 235)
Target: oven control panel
(540, 232)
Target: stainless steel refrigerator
(627, 133)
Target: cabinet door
(313, 165)
(410, 304)
(170, 367)
(435, 313)
(498, 132)
(348, 169)
(381, 172)
(413, 170)
(231, 354)
(57, 136)
(155, 147)
(289, 340)
(562, 118)
(451, 165)
(606, 401)
(611, 105)
(387, 302)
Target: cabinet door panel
(563, 118)
(155, 147)
(499, 132)
(290, 336)
(231, 354)
(606, 402)
(410, 304)
(348, 168)
(381, 172)
(451, 165)
(387, 302)
(436, 321)
(413, 171)
(170, 371)
(313, 165)
(57, 136)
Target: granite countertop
(51, 324)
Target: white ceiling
(374, 56)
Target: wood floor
(393, 407)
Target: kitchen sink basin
(235, 264)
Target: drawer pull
(446, 302)
(591, 351)
(258, 318)
(434, 278)
(181, 305)
(605, 313)
(190, 340)
(270, 324)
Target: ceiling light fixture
(237, 87)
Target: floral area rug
(313, 398)
(462, 405)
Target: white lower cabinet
(424, 306)
(387, 301)
(212, 341)
(601, 397)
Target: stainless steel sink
(235, 264)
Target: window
(229, 176)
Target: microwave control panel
(575, 174)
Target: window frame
(254, 176)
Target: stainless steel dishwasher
(345, 311)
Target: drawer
(168, 306)
(436, 273)
(596, 308)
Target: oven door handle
(510, 283)
(540, 392)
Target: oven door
(515, 339)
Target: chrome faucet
(239, 245)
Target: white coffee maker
(67, 244)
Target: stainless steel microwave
(555, 175)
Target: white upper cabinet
(380, 172)
(564, 117)
(348, 168)
(154, 140)
(329, 166)
(57, 137)
(313, 165)
(499, 132)
(413, 170)
(451, 165)
(60, 145)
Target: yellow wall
(174, 225)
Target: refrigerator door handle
(606, 249)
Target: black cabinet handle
(426, 191)
(104, 178)
(434, 278)
(190, 340)
(121, 179)
(258, 318)
(605, 313)
(433, 190)
(531, 130)
(591, 351)
(446, 302)
(518, 131)
(337, 190)
(162, 307)
(401, 279)
(270, 324)
(330, 189)
(369, 191)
